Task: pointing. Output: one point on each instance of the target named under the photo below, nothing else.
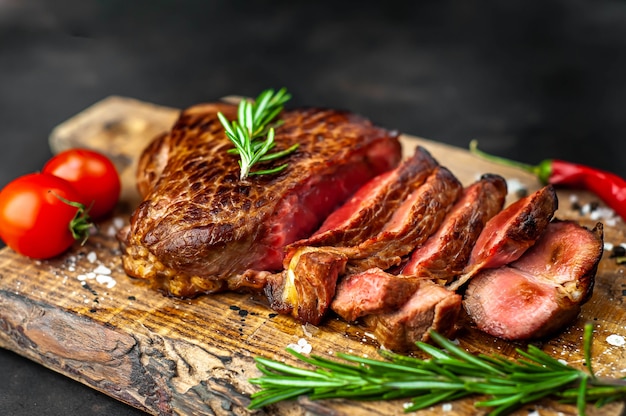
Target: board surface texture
(79, 314)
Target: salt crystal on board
(616, 340)
(303, 346)
(101, 269)
(106, 280)
(92, 257)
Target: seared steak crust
(445, 253)
(199, 225)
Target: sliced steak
(199, 225)
(365, 214)
(543, 290)
(445, 253)
(509, 234)
(432, 307)
(305, 289)
(419, 216)
(370, 292)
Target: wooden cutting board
(80, 315)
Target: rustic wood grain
(170, 356)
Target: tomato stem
(81, 224)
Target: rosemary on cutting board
(253, 131)
(449, 374)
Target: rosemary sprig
(450, 373)
(257, 120)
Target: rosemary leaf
(275, 397)
(257, 119)
(450, 373)
(582, 399)
(431, 399)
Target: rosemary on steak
(253, 131)
(450, 373)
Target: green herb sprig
(256, 120)
(449, 374)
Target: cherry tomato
(37, 215)
(92, 174)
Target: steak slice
(510, 233)
(419, 216)
(431, 308)
(365, 214)
(543, 290)
(305, 289)
(199, 225)
(445, 253)
(370, 292)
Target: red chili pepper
(606, 185)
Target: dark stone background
(530, 80)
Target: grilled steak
(432, 307)
(419, 216)
(509, 234)
(543, 290)
(411, 223)
(200, 226)
(365, 214)
(370, 292)
(445, 253)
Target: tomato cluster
(42, 214)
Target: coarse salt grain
(616, 340)
(106, 280)
(102, 269)
(92, 257)
(86, 276)
(601, 213)
(446, 407)
(303, 346)
(118, 222)
(586, 209)
(111, 231)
